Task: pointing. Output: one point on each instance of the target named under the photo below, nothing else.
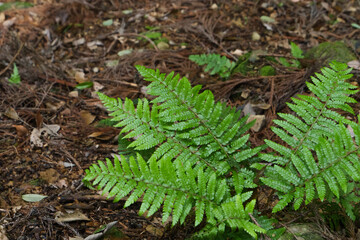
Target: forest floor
(50, 132)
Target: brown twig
(59, 81)
(73, 159)
(13, 59)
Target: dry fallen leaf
(97, 86)
(21, 131)
(54, 106)
(87, 117)
(263, 106)
(11, 113)
(51, 129)
(351, 131)
(74, 94)
(104, 134)
(238, 52)
(2, 17)
(259, 122)
(70, 217)
(355, 64)
(66, 111)
(35, 137)
(62, 183)
(245, 94)
(8, 23)
(78, 42)
(95, 134)
(80, 77)
(35, 140)
(76, 238)
(94, 44)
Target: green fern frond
(336, 166)
(215, 64)
(322, 157)
(177, 187)
(183, 123)
(197, 143)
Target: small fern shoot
(215, 64)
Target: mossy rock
(301, 231)
(330, 51)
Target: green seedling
(15, 77)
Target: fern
(215, 64)
(199, 159)
(322, 159)
(199, 145)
